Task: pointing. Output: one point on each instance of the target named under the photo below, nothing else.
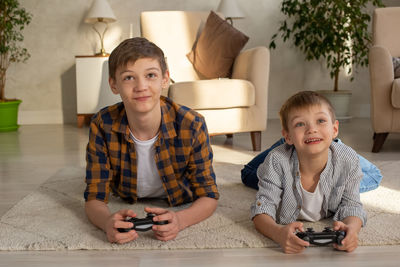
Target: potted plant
(13, 19)
(333, 30)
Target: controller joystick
(327, 236)
(143, 224)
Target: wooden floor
(34, 153)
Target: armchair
(229, 106)
(385, 89)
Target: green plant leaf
(324, 29)
(13, 20)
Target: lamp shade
(230, 9)
(100, 10)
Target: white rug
(52, 218)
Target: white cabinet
(92, 89)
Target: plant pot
(9, 115)
(340, 101)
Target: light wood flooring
(34, 153)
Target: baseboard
(356, 111)
(57, 116)
(40, 117)
(361, 111)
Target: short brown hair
(133, 49)
(301, 100)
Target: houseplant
(13, 19)
(333, 30)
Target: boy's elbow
(94, 204)
(212, 203)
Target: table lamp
(230, 9)
(100, 12)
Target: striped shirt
(279, 194)
(183, 156)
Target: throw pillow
(396, 67)
(215, 50)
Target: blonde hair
(303, 99)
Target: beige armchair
(385, 90)
(228, 105)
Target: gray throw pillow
(396, 67)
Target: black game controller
(142, 225)
(327, 236)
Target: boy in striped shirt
(309, 177)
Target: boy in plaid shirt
(147, 147)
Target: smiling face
(139, 84)
(311, 129)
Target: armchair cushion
(396, 93)
(216, 48)
(207, 94)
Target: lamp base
(102, 54)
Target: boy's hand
(168, 231)
(350, 242)
(116, 220)
(288, 240)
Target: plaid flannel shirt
(183, 155)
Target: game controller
(327, 236)
(143, 224)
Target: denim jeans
(371, 174)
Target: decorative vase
(9, 115)
(340, 101)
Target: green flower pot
(9, 115)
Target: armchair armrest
(253, 65)
(381, 67)
(381, 79)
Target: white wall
(57, 33)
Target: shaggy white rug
(53, 218)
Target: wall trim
(357, 111)
(362, 111)
(40, 117)
(56, 116)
